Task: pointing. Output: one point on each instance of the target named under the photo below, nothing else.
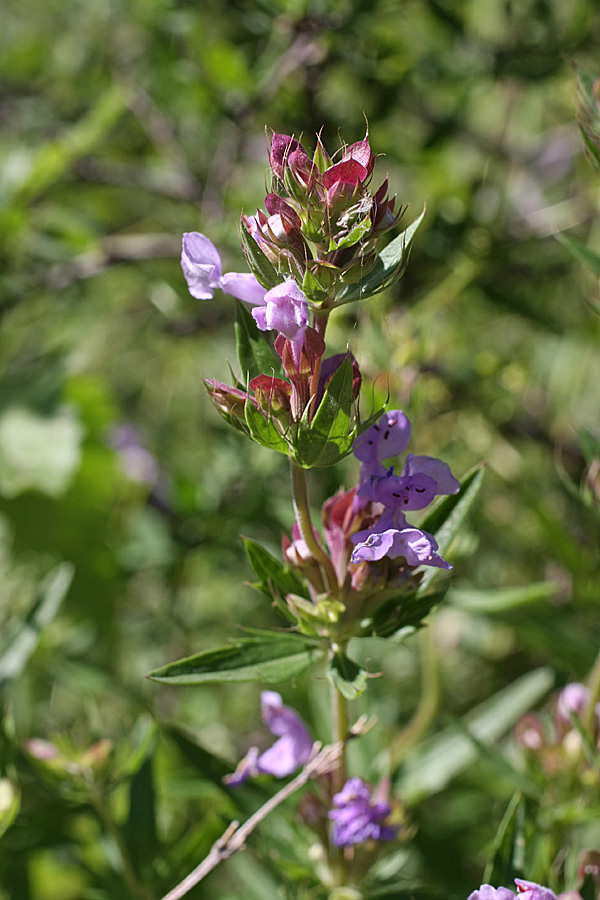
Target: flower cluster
(557, 746)
(422, 479)
(321, 218)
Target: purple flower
(284, 309)
(529, 890)
(357, 818)
(422, 479)
(287, 754)
(487, 892)
(574, 700)
(416, 546)
(388, 437)
(526, 890)
(201, 266)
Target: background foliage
(127, 123)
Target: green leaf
(254, 353)
(445, 520)
(501, 868)
(347, 676)
(328, 438)
(18, 647)
(264, 431)
(269, 660)
(10, 803)
(588, 113)
(400, 616)
(580, 252)
(433, 764)
(502, 599)
(590, 446)
(389, 267)
(140, 830)
(271, 574)
(355, 235)
(262, 268)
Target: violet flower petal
(487, 892)
(433, 468)
(243, 286)
(284, 309)
(388, 437)
(529, 890)
(201, 265)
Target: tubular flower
(357, 818)
(291, 751)
(422, 479)
(202, 269)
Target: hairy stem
(303, 518)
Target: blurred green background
(125, 124)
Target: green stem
(303, 518)
(137, 890)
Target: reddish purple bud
(272, 394)
(529, 733)
(302, 168)
(300, 365)
(276, 205)
(342, 179)
(362, 153)
(228, 400)
(281, 147)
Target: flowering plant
(368, 571)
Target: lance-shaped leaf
(272, 575)
(328, 437)
(580, 252)
(588, 114)
(272, 659)
(262, 268)
(389, 267)
(347, 676)
(445, 520)
(254, 352)
(400, 616)
(21, 643)
(503, 866)
(263, 430)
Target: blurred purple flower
(291, 751)
(574, 700)
(357, 818)
(136, 461)
(201, 266)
